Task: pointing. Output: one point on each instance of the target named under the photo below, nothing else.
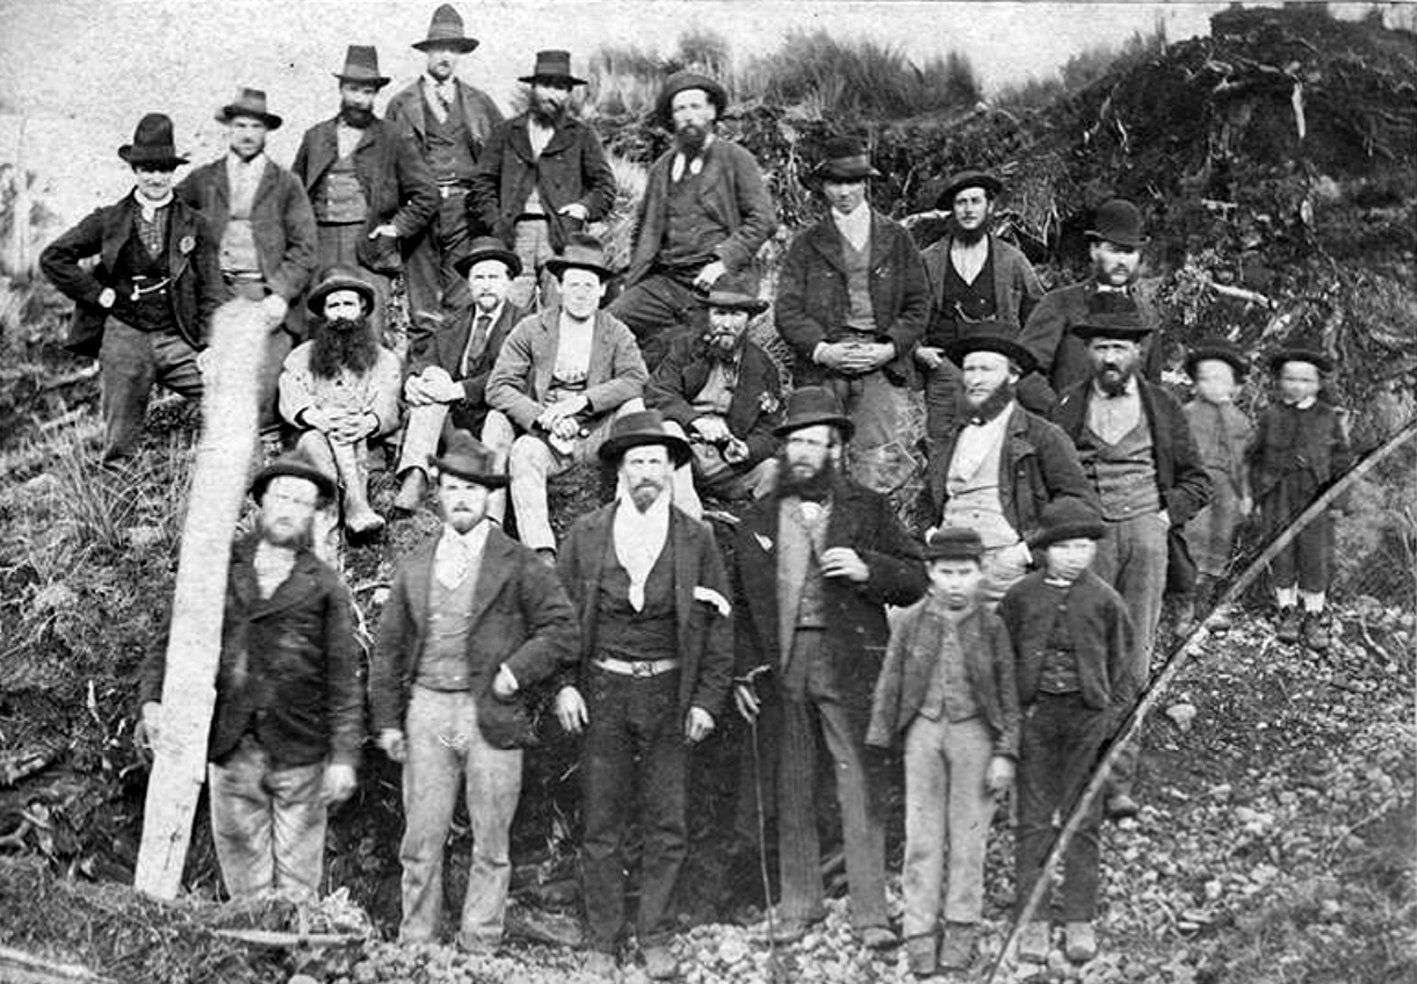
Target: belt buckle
(643, 668)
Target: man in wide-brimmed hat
(720, 391)
(999, 465)
(144, 309)
(561, 378)
(474, 622)
(261, 218)
(816, 564)
(446, 382)
(543, 175)
(289, 715)
(852, 302)
(451, 121)
(974, 277)
(1116, 237)
(705, 212)
(656, 656)
(371, 190)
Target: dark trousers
(130, 361)
(633, 764)
(653, 308)
(1061, 736)
(1307, 560)
(941, 397)
(432, 283)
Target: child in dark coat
(1300, 447)
(1075, 651)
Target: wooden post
(219, 479)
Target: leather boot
(957, 950)
(920, 951)
(359, 518)
(410, 496)
(1289, 625)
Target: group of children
(1030, 692)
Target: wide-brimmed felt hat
(845, 159)
(361, 64)
(295, 465)
(637, 429)
(552, 65)
(1067, 519)
(467, 457)
(446, 29)
(581, 252)
(252, 103)
(1125, 325)
(967, 179)
(682, 82)
(1117, 221)
(339, 278)
(954, 543)
(991, 336)
(735, 292)
(1306, 350)
(810, 405)
(1217, 349)
(487, 248)
(152, 144)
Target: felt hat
(487, 248)
(361, 64)
(1219, 349)
(637, 429)
(446, 29)
(968, 179)
(991, 336)
(682, 82)
(552, 65)
(1117, 221)
(252, 103)
(954, 543)
(339, 278)
(581, 252)
(1067, 519)
(152, 145)
(735, 292)
(295, 465)
(1302, 350)
(1124, 325)
(467, 457)
(845, 159)
(809, 405)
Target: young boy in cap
(947, 684)
(1075, 662)
(1301, 446)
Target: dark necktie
(478, 343)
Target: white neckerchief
(347, 138)
(272, 565)
(149, 208)
(456, 552)
(854, 226)
(974, 443)
(695, 166)
(639, 539)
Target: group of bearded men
(514, 369)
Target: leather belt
(638, 667)
(447, 189)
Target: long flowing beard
(816, 488)
(343, 344)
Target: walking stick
(774, 969)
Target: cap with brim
(812, 405)
(644, 427)
(293, 465)
(1311, 354)
(250, 103)
(335, 279)
(552, 66)
(991, 337)
(734, 300)
(682, 82)
(152, 145)
(361, 65)
(581, 252)
(954, 543)
(446, 30)
(1067, 519)
(1217, 350)
(1118, 221)
(487, 248)
(468, 458)
(1125, 326)
(967, 179)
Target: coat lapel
(520, 140)
(685, 578)
(497, 562)
(544, 357)
(827, 241)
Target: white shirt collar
(446, 87)
(149, 208)
(854, 226)
(639, 539)
(456, 552)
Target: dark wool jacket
(1312, 443)
(197, 288)
(572, 168)
(1101, 630)
(445, 349)
(703, 611)
(989, 666)
(1017, 289)
(1038, 464)
(520, 617)
(292, 655)
(813, 303)
(732, 191)
(757, 399)
(407, 108)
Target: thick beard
(1114, 388)
(296, 541)
(343, 344)
(817, 488)
(992, 406)
(550, 115)
(970, 237)
(356, 117)
(722, 351)
(690, 140)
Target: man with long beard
(340, 389)
(289, 716)
(542, 176)
(367, 182)
(705, 212)
(816, 565)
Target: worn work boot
(660, 964)
(920, 952)
(1121, 806)
(1033, 942)
(1287, 630)
(1081, 942)
(1185, 616)
(598, 963)
(1316, 634)
(359, 518)
(876, 937)
(410, 496)
(957, 950)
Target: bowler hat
(1218, 349)
(487, 248)
(295, 465)
(252, 103)
(991, 336)
(1302, 350)
(467, 457)
(968, 179)
(152, 145)
(811, 405)
(735, 292)
(682, 82)
(1117, 221)
(361, 64)
(954, 543)
(1124, 325)
(339, 278)
(637, 429)
(581, 252)
(552, 65)
(1067, 519)
(845, 159)
(446, 30)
